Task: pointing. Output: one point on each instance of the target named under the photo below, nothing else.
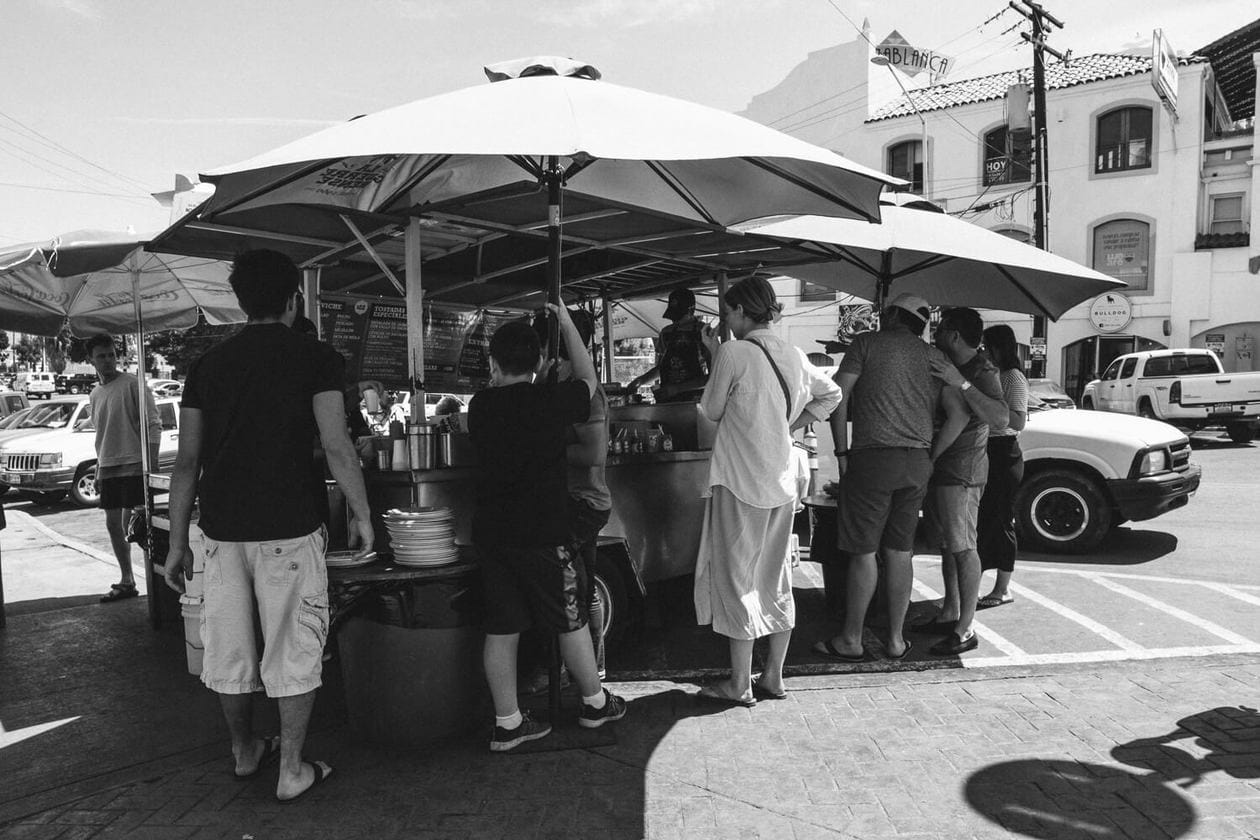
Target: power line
(71, 153)
(79, 177)
(128, 197)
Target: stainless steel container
(443, 449)
(422, 447)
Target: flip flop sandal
(709, 694)
(120, 592)
(826, 648)
(322, 771)
(902, 655)
(271, 752)
(988, 602)
(766, 694)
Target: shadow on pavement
(1056, 798)
(1122, 547)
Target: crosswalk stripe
(1231, 591)
(1110, 655)
(984, 631)
(1085, 621)
(1189, 618)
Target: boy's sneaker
(509, 739)
(614, 709)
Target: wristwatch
(966, 384)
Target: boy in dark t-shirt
(530, 570)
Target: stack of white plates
(422, 536)
(348, 559)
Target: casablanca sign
(912, 61)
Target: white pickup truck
(1187, 388)
(1085, 474)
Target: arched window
(905, 160)
(1122, 248)
(1005, 163)
(1124, 140)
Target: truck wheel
(1145, 410)
(1087, 404)
(610, 588)
(83, 490)
(1241, 432)
(1062, 511)
(75, 389)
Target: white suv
(36, 384)
(49, 464)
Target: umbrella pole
(150, 576)
(554, 175)
(883, 283)
(608, 340)
(725, 331)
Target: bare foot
(310, 773)
(247, 762)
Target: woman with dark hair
(996, 539)
(761, 389)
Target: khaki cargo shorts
(278, 588)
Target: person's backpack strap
(787, 394)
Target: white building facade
(1164, 201)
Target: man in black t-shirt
(251, 406)
(531, 571)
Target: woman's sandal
(990, 601)
(120, 592)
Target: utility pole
(1040, 20)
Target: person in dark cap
(683, 359)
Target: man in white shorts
(251, 407)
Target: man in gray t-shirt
(891, 386)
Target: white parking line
(1189, 618)
(1111, 655)
(1232, 591)
(1072, 615)
(982, 630)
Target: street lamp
(882, 61)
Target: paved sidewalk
(104, 734)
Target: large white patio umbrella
(483, 179)
(948, 262)
(102, 281)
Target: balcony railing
(1208, 241)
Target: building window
(1227, 214)
(1122, 248)
(1005, 163)
(1124, 140)
(814, 292)
(905, 161)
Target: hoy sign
(912, 61)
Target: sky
(103, 101)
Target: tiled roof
(1231, 59)
(1079, 71)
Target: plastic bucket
(190, 608)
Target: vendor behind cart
(683, 361)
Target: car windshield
(15, 418)
(51, 416)
(1047, 386)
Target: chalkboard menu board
(372, 335)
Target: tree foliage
(181, 348)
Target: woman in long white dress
(761, 389)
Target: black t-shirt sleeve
(330, 369)
(191, 396)
(571, 400)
